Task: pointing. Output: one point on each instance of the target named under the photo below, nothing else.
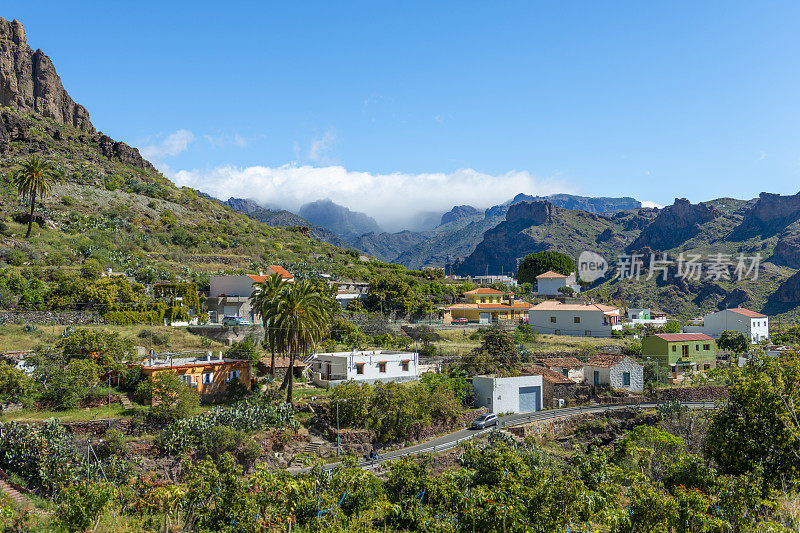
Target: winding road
(451, 440)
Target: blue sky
(392, 108)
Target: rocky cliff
(29, 82)
(459, 212)
(674, 225)
(770, 213)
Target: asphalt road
(452, 440)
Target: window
(587, 333)
(208, 378)
(706, 347)
(697, 347)
(234, 374)
(626, 379)
(405, 365)
(706, 366)
(187, 379)
(382, 368)
(359, 368)
(483, 300)
(565, 371)
(553, 319)
(685, 350)
(674, 347)
(577, 320)
(596, 377)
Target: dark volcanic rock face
(674, 225)
(243, 205)
(459, 212)
(534, 213)
(29, 82)
(770, 212)
(789, 290)
(787, 251)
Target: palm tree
(263, 297)
(299, 317)
(34, 177)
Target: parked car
(460, 321)
(235, 321)
(484, 421)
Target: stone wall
(693, 394)
(61, 318)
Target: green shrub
(133, 318)
(81, 504)
(113, 182)
(113, 444)
(67, 200)
(15, 257)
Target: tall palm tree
(34, 177)
(262, 298)
(299, 318)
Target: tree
(262, 299)
(540, 262)
(15, 385)
(497, 352)
(733, 341)
(299, 317)
(567, 291)
(34, 177)
(168, 395)
(757, 427)
(107, 348)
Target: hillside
(111, 204)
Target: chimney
(220, 355)
(208, 355)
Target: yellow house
(484, 305)
(207, 374)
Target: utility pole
(109, 398)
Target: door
(596, 378)
(484, 318)
(529, 399)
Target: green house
(680, 352)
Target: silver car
(484, 421)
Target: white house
(548, 283)
(230, 295)
(754, 326)
(519, 394)
(508, 281)
(330, 369)
(580, 320)
(645, 316)
(615, 371)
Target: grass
(69, 415)
(13, 337)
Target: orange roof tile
(551, 274)
(484, 290)
(747, 312)
(547, 374)
(555, 305)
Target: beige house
(579, 320)
(485, 306)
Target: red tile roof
(551, 274)
(747, 312)
(484, 290)
(280, 270)
(547, 374)
(605, 360)
(561, 362)
(281, 362)
(679, 337)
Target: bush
(67, 200)
(133, 318)
(15, 257)
(81, 504)
(113, 182)
(169, 396)
(113, 445)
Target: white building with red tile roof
(615, 371)
(578, 320)
(753, 325)
(548, 283)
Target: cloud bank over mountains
(392, 199)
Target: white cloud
(172, 145)
(223, 140)
(762, 156)
(392, 199)
(321, 146)
(648, 203)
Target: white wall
(501, 395)
(550, 286)
(613, 376)
(343, 366)
(591, 321)
(755, 329)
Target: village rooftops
(555, 305)
(484, 290)
(365, 353)
(605, 360)
(747, 312)
(680, 337)
(547, 375)
(561, 362)
(550, 274)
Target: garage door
(529, 399)
(484, 318)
